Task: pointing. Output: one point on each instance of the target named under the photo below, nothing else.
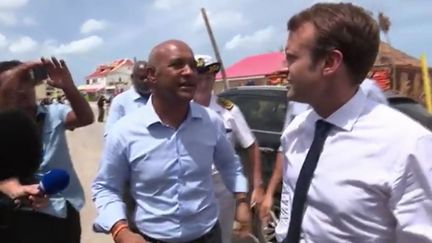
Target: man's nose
(188, 70)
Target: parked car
(264, 108)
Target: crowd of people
(352, 168)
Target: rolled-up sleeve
(109, 183)
(228, 163)
(411, 200)
(241, 129)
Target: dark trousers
(101, 114)
(18, 226)
(213, 236)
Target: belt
(214, 233)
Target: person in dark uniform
(101, 108)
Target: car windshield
(266, 114)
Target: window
(261, 112)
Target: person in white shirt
(354, 170)
(372, 92)
(238, 133)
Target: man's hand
(244, 220)
(127, 236)
(58, 72)
(11, 82)
(264, 210)
(257, 196)
(28, 195)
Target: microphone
(54, 181)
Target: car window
(262, 113)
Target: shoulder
(394, 121)
(206, 113)
(56, 111)
(119, 99)
(225, 103)
(296, 125)
(126, 125)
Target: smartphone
(38, 74)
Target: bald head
(172, 71)
(163, 49)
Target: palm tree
(384, 25)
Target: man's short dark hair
(6, 65)
(345, 27)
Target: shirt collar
(347, 115)
(214, 104)
(41, 110)
(134, 94)
(152, 117)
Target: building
(44, 90)
(252, 70)
(109, 78)
(393, 69)
(398, 71)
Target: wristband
(118, 229)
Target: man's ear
(332, 62)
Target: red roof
(105, 69)
(258, 65)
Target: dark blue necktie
(322, 129)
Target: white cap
(205, 62)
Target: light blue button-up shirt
(123, 104)
(170, 173)
(56, 156)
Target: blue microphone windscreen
(54, 181)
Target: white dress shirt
(373, 182)
(237, 129)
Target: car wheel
(269, 230)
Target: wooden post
(215, 48)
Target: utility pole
(215, 48)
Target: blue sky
(89, 32)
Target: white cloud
(8, 18)
(81, 46)
(261, 37)
(22, 45)
(3, 41)
(168, 4)
(29, 21)
(12, 4)
(93, 25)
(222, 19)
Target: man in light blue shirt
(166, 150)
(133, 98)
(59, 221)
